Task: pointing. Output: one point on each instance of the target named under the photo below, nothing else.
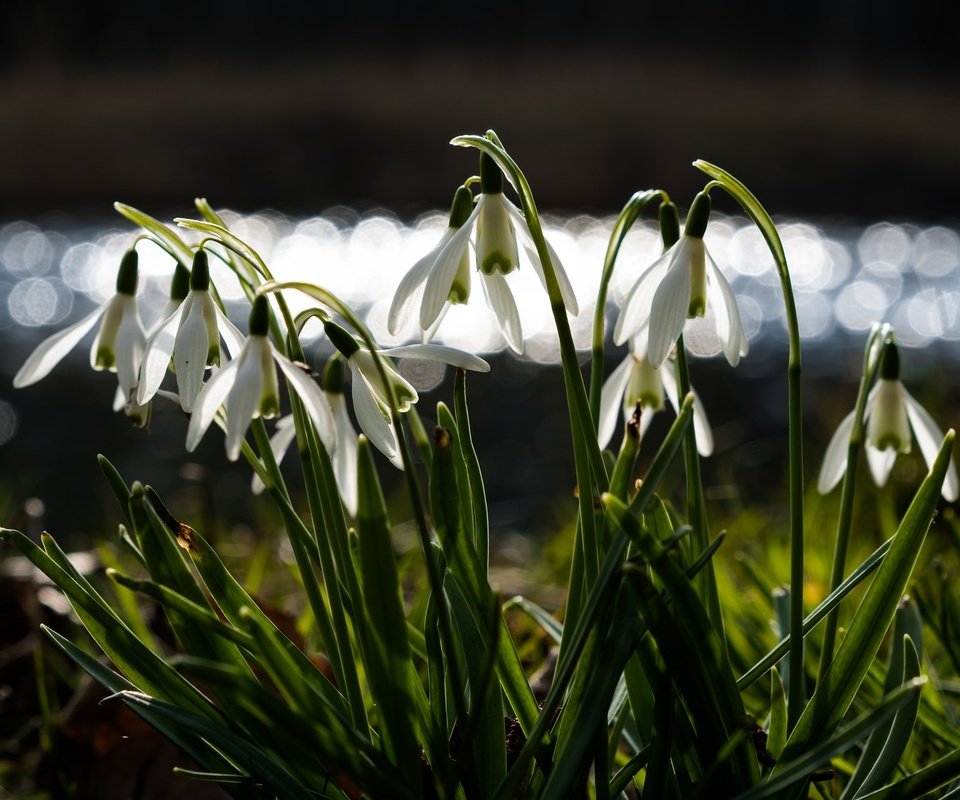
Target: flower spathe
(637, 380)
(247, 388)
(191, 335)
(442, 277)
(891, 414)
(683, 283)
(371, 393)
(118, 345)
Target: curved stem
(758, 214)
(628, 216)
(867, 376)
(696, 504)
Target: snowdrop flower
(442, 277)
(371, 394)
(191, 334)
(637, 380)
(680, 285)
(890, 415)
(118, 346)
(247, 388)
(344, 456)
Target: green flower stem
(339, 637)
(598, 600)
(628, 216)
(871, 361)
(696, 505)
(760, 217)
(590, 469)
(481, 520)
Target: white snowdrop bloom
(191, 335)
(118, 346)
(344, 456)
(637, 380)
(680, 285)
(890, 415)
(443, 276)
(371, 394)
(247, 388)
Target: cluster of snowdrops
(387, 730)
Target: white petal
(210, 399)
(51, 351)
(733, 340)
(281, 440)
(880, 463)
(610, 400)
(363, 362)
(119, 398)
(345, 456)
(504, 307)
(156, 357)
(635, 312)
(439, 352)
(436, 292)
(835, 458)
(313, 397)
(190, 354)
(427, 335)
(131, 341)
(668, 313)
(232, 338)
(566, 288)
(410, 287)
(243, 402)
(701, 425)
(930, 437)
(372, 421)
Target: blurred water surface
(845, 278)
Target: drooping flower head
(890, 415)
(442, 277)
(682, 284)
(344, 455)
(118, 346)
(191, 335)
(247, 388)
(371, 391)
(636, 380)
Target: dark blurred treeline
(846, 108)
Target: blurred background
(323, 128)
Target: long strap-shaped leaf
(388, 664)
(801, 767)
(693, 651)
(833, 696)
